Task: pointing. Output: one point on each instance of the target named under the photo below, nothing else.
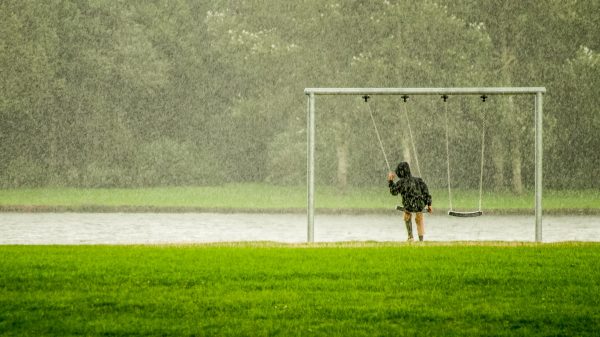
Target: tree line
(102, 93)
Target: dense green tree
(30, 114)
(574, 151)
(531, 41)
(183, 92)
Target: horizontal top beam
(427, 91)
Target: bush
(98, 175)
(169, 163)
(23, 172)
(287, 160)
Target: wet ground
(148, 228)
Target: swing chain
(445, 97)
(451, 211)
(366, 98)
(412, 140)
(483, 98)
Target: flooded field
(148, 228)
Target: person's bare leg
(420, 225)
(408, 223)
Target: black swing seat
(465, 214)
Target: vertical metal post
(310, 130)
(539, 151)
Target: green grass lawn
(264, 197)
(362, 289)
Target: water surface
(150, 228)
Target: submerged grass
(265, 289)
(262, 197)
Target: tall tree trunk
(497, 150)
(341, 153)
(517, 182)
(406, 151)
(515, 145)
(342, 163)
(500, 142)
(52, 159)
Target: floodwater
(161, 228)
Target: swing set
(444, 93)
(451, 210)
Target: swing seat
(465, 214)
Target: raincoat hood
(403, 170)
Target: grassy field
(259, 197)
(361, 289)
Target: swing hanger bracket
(366, 98)
(404, 98)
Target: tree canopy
(101, 93)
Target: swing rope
(483, 98)
(445, 97)
(412, 140)
(366, 98)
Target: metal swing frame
(537, 92)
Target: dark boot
(420, 237)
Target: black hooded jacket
(414, 191)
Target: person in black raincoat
(415, 197)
